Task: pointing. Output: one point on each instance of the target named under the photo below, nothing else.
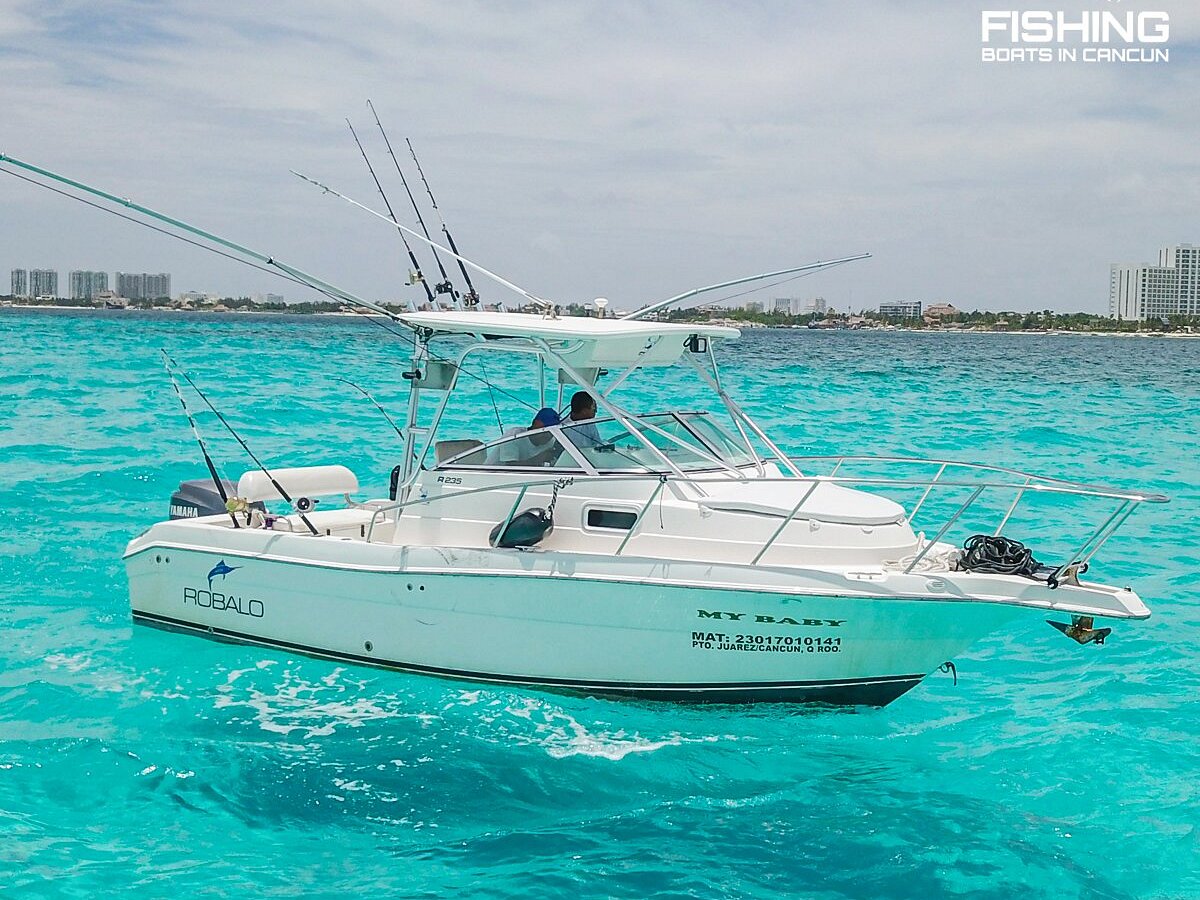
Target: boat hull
(552, 622)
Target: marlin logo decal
(220, 569)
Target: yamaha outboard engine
(201, 498)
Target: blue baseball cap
(547, 416)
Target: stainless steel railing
(948, 476)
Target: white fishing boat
(673, 553)
(683, 562)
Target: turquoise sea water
(139, 763)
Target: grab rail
(1021, 483)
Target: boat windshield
(689, 440)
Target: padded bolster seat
(829, 502)
(309, 481)
(332, 520)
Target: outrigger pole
(416, 272)
(670, 301)
(444, 287)
(471, 298)
(310, 280)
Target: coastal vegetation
(979, 320)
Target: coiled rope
(998, 555)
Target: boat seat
(829, 502)
(444, 450)
(343, 522)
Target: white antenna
(533, 298)
(600, 303)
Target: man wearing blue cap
(532, 448)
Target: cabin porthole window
(615, 519)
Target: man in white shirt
(530, 449)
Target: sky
(630, 150)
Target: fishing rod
(212, 469)
(471, 297)
(533, 298)
(237, 437)
(297, 274)
(362, 391)
(444, 287)
(415, 276)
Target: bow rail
(948, 478)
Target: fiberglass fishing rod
(471, 298)
(212, 469)
(383, 411)
(416, 275)
(445, 287)
(237, 437)
(499, 279)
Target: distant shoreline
(222, 315)
(168, 310)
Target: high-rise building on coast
(144, 286)
(1171, 288)
(43, 283)
(901, 309)
(20, 283)
(88, 285)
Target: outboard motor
(200, 498)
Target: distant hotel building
(88, 285)
(43, 283)
(901, 309)
(144, 286)
(20, 283)
(1172, 288)
(795, 306)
